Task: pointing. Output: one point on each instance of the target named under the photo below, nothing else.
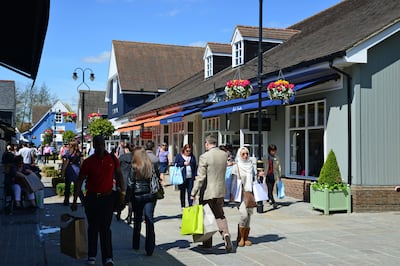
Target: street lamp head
(91, 76)
(75, 76)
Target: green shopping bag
(192, 220)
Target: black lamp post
(260, 163)
(75, 77)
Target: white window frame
(306, 127)
(209, 66)
(237, 53)
(115, 91)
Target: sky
(80, 33)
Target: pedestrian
(126, 163)
(27, 155)
(273, 172)
(47, 153)
(98, 171)
(245, 171)
(121, 149)
(142, 199)
(163, 157)
(186, 160)
(211, 187)
(72, 161)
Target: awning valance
(178, 116)
(148, 122)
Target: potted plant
(280, 90)
(329, 193)
(238, 88)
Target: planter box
(327, 200)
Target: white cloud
(198, 44)
(103, 57)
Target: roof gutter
(349, 132)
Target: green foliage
(47, 138)
(329, 176)
(68, 136)
(60, 188)
(56, 180)
(101, 126)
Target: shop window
(306, 138)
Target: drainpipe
(349, 153)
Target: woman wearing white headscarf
(245, 171)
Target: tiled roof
(270, 33)
(222, 48)
(322, 37)
(149, 67)
(7, 92)
(38, 111)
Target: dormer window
(208, 66)
(237, 59)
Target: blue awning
(178, 116)
(251, 103)
(239, 107)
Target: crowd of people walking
(128, 172)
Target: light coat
(211, 174)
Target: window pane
(297, 152)
(320, 113)
(302, 113)
(292, 115)
(316, 151)
(311, 114)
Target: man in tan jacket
(210, 185)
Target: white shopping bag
(260, 191)
(237, 191)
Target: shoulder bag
(248, 196)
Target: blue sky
(80, 32)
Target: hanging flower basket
(238, 88)
(69, 117)
(93, 116)
(48, 132)
(280, 90)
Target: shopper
(98, 171)
(211, 187)
(186, 160)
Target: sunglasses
(245, 153)
(188, 151)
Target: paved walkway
(291, 235)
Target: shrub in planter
(47, 167)
(330, 177)
(329, 193)
(56, 180)
(60, 188)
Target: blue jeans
(143, 206)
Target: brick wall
(364, 198)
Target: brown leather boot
(242, 233)
(247, 242)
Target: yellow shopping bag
(192, 220)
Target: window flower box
(238, 88)
(280, 90)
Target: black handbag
(155, 186)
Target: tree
(101, 126)
(26, 98)
(69, 136)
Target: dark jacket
(179, 161)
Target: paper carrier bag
(73, 240)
